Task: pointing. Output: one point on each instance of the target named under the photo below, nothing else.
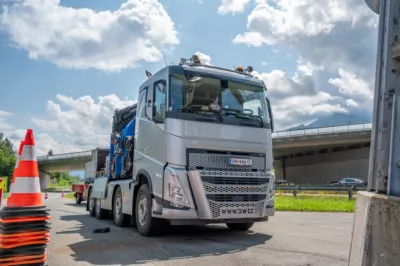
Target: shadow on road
(124, 246)
(82, 205)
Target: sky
(65, 66)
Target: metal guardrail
(317, 188)
(294, 189)
(65, 156)
(322, 130)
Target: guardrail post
(350, 193)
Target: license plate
(245, 211)
(236, 161)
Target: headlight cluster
(176, 191)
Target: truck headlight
(175, 187)
(271, 184)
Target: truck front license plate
(239, 212)
(236, 161)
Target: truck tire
(91, 203)
(99, 212)
(145, 223)
(120, 219)
(239, 226)
(78, 200)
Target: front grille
(242, 181)
(235, 198)
(216, 207)
(213, 160)
(232, 191)
(216, 189)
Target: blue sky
(58, 57)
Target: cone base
(7, 209)
(27, 250)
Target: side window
(159, 101)
(142, 103)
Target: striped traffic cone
(24, 227)
(21, 145)
(26, 187)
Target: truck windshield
(198, 94)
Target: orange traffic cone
(62, 194)
(23, 222)
(25, 191)
(21, 145)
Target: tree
(7, 157)
(50, 152)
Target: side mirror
(271, 116)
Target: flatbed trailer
(80, 192)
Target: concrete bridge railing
(322, 130)
(65, 156)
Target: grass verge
(314, 204)
(5, 195)
(70, 195)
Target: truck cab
(195, 149)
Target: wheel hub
(142, 210)
(118, 204)
(98, 205)
(91, 205)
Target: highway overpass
(310, 156)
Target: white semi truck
(195, 149)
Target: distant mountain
(336, 119)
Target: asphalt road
(289, 238)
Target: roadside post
(376, 236)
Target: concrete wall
(44, 180)
(322, 168)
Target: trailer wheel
(78, 200)
(145, 223)
(99, 212)
(239, 226)
(92, 203)
(120, 218)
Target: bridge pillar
(44, 180)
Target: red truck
(80, 192)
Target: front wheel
(239, 226)
(145, 223)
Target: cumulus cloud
(71, 124)
(335, 43)
(342, 33)
(232, 6)
(84, 122)
(4, 125)
(83, 38)
(295, 100)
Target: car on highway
(349, 182)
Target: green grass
(57, 186)
(314, 204)
(70, 196)
(5, 195)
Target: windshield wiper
(240, 114)
(202, 112)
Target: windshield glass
(201, 94)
